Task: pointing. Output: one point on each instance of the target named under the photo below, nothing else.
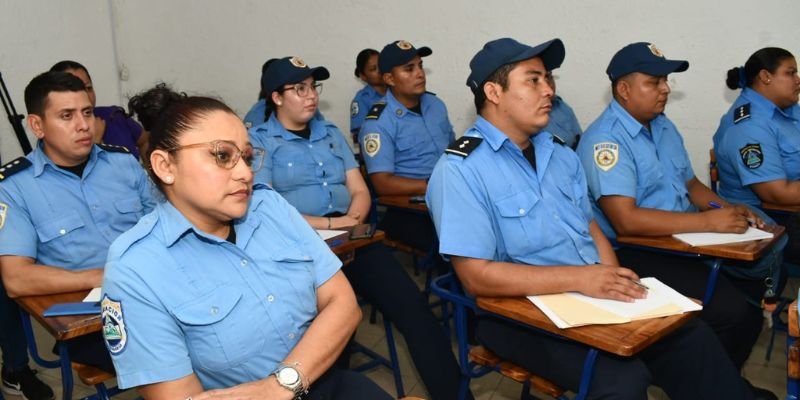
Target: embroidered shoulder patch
(463, 146)
(376, 110)
(741, 113)
(114, 333)
(3, 212)
(752, 156)
(113, 148)
(372, 144)
(606, 155)
(13, 167)
(353, 108)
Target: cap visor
(664, 68)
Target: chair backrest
(713, 172)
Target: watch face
(288, 376)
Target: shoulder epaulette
(558, 139)
(463, 146)
(113, 148)
(741, 113)
(376, 110)
(13, 167)
(430, 93)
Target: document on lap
(568, 310)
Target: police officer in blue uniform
(512, 211)
(757, 144)
(642, 183)
(224, 290)
(310, 164)
(374, 88)
(257, 114)
(563, 122)
(63, 204)
(402, 137)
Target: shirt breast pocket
(288, 164)
(521, 227)
(218, 329)
(129, 210)
(678, 182)
(61, 236)
(297, 269)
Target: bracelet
(329, 222)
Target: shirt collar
(274, 128)
(39, 159)
(496, 138)
(174, 225)
(398, 109)
(760, 104)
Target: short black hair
(66, 65)
(500, 77)
(52, 81)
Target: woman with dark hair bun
(223, 291)
(374, 88)
(112, 125)
(757, 144)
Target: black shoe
(761, 394)
(25, 383)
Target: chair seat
(483, 356)
(90, 375)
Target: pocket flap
(59, 226)
(517, 205)
(209, 308)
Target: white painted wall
(217, 48)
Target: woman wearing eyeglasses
(223, 290)
(309, 163)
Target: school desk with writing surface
(71, 326)
(744, 251)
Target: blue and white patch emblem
(3, 212)
(114, 333)
(353, 108)
(606, 155)
(752, 156)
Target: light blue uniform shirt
(492, 205)
(62, 220)
(363, 100)
(760, 148)
(255, 116)
(404, 143)
(563, 122)
(622, 158)
(177, 300)
(309, 173)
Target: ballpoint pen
(714, 204)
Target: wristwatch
(289, 378)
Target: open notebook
(568, 310)
(710, 238)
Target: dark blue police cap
(504, 51)
(289, 70)
(645, 58)
(399, 52)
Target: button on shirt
(309, 173)
(652, 167)
(409, 143)
(359, 107)
(775, 131)
(492, 205)
(192, 302)
(563, 122)
(62, 220)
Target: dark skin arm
(387, 184)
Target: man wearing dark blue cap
(511, 208)
(642, 183)
(402, 137)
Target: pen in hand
(640, 284)
(714, 204)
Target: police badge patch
(752, 156)
(3, 211)
(606, 155)
(372, 144)
(114, 333)
(353, 108)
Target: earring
(279, 103)
(169, 179)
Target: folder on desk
(711, 238)
(568, 310)
(79, 308)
